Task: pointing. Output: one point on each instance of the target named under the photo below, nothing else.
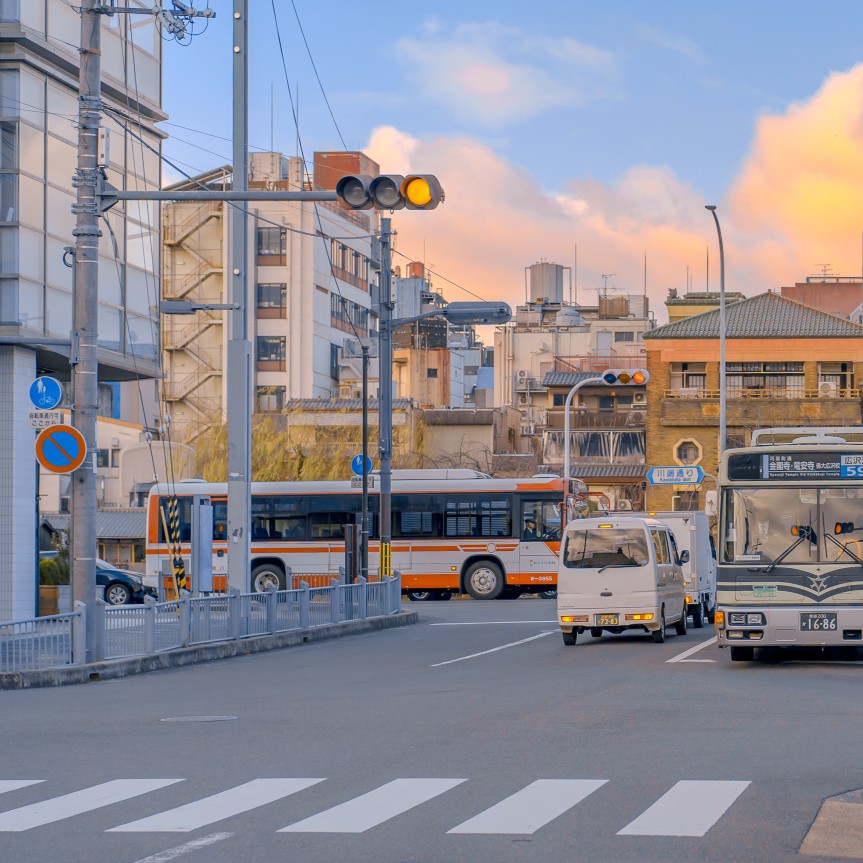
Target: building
(38, 157)
(837, 295)
(787, 364)
(311, 288)
(696, 302)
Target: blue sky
(580, 122)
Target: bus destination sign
(807, 465)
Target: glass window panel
(31, 252)
(31, 203)
(8, 249)
(110, 275)
(9, 93)
(143, 337)
(59, 313)
(8, 301)
(112, 50)
(106, 241)
(8, 145)
(32, 89)
(57, 273)
(141, 248)
(8, 197)
(31, 149)
(63, 159)
(110, 335)
(60, 218)
(143, 34)
(141, 291)
(30, 311)
(62, 113)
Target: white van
(619, 573)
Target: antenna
(605, 277)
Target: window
(540, 520)
(349, 265)
(558, 400)
(102, 458)
(624, 336)
(335, 353)
(686, 501)
(471, 515)
(660, 546)
(417, 515)
(271, 353)
(688, 379)
(431, 373)
(348, 316)
(271, 300)
(617, 547)
(8, 146)
(687, 452)
(777, 380)
(271, 399)
(272, 246)
(115, 458)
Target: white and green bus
(790, 569)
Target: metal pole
(364, 517)
(238, 373)
(385, 401)
(722, 384)
(569, 395)
(84, 356)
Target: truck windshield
(792, 525)
(599, 547)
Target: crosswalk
(688, 808)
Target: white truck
(692, 532)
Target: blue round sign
(357, 465)
(46, 393)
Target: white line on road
(690, 808)
(217, 807)
(58, 808)
(15, 784)
(368, 810)
(489, 622)
(173, 853)
(495, 649)
(531, 808)
(681, 657)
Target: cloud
(669, 42)
(794, 205)
(489, 74)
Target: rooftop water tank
(546, 282)
(569, 316)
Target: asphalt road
(475, 735)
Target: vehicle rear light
(689, 600)
(639, 617)
(582, 618)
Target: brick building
(787, 364)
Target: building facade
(787, 364)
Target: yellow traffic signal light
(389, 192)
(625, 377)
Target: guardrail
(156, 627)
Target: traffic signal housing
(625, 377)
(389, 192)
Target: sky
(583, 133)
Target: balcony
(823, 392)
(600, 362)
(622, 418)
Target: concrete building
(787, 364)
(311, 290)
(38, 139)
(837, 295)
(696, 302)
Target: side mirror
(684, 556)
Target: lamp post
(567, 404)
(722, 385)
(466, 313)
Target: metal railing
(778, 393)
(155, 627)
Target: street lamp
(722, 386)
(461, 314)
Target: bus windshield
(792, 525)
(599, 547)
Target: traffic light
(844, 527)
(625, 377)
(389, 192)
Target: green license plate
(607, 619)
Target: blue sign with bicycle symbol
(46, 393)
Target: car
(119, 586)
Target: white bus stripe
(369, 810)
(217, 807)
(681, 657)
(58, 808)
(495, 649)
(531, 808)
(15, 784)
(690, 808)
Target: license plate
(607, 619)
(818, 621)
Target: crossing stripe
(368, 810)
(58, 808)
(690, 808)
(234, 801)
(15, 784)
(531, 808)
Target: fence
(139, 630)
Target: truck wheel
(742, 654)
(569, 638)
(658, 635)
(484, 580)
(711, 614)
(698, 616)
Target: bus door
(539, 543)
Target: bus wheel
(484, 580)
(420, 595)
(698, 616)
(742, 654)
(266, 574)
(444, 595)
(569, 638)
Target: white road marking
(217, 807)
(495, 649)
(58, 808)
(173, 853)
(681, 657)
(15, 784)
(369, 810)
(690, 808)
(490, 622)
(531, 808)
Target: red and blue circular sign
(61, 449)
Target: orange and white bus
(452, 530)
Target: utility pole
(364, 518)
(238, 372)
(84, 359)
(385, 399)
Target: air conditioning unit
(528, 428)
(636, 417)
(639, 398)
(522, 374)
(522, 399)
(828, 388)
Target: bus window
(479, 516)
(184, 512)
(417, 515)
(220, 519)
(328, 515)
(544, 516)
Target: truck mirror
(684, 556)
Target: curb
(114, 668)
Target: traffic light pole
(385, 399)
(567, 405)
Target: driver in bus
(530, 534)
